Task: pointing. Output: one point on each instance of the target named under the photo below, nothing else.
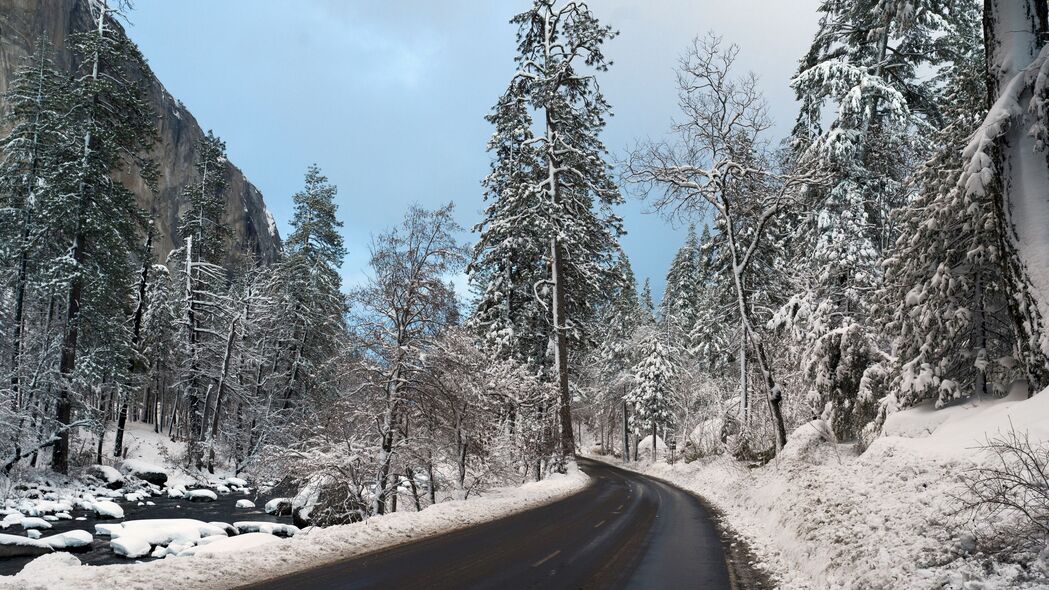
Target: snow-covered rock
(107, 509)
(33, 534)
(224, 490)
(149, 472)
(270, 528)
(108, 530)
(109, 476)
(130, 546)
(201, 496)
(19, 546)
(245, 504)
(161, 531)
(236, 481)
(805, 442)
(33, 522)
(176, 492)
(70, 540)
(225, 526)
(279, 506)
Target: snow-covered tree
(1006, 161)
(404, 305)
(552, 191)
(945, 296)
(653, 378)
(679, 308)
(719, 166)
(311, 296)
(93, 221)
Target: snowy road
(623, 531)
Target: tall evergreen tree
(565, 186)
(680, 306)
(311, 288)
(93, 220)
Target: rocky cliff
(23, 22)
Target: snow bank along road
(622, 531)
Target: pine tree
(203, 220)
(205, 306)
(509, 258)
(680, 306)
(565, 190)
(648, 307)
(92, 219)
(312, 293)
(1006, 162)
(944, 297)
(654, 376)
(36, 104)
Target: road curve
(623, 531)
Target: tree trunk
(1014, 33)
(626, 436)
(67, 364)
(136, 337)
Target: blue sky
(388, 96)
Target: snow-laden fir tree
(311, 290)
(679, 309)
(92, 221)
(945, 294)
(205, 305)
(565, 191)
(509, 258)
(1005, 161)
(647, 303)
(653, 378)
(36, 105)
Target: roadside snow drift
(822, 517)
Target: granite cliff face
(23, 22)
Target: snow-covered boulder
(11, 519)
(224, 490)
(107, 509)
(130, 546)
(201, 496)
(149, 472)
(805, 442)
(270, 528)
(33, 534)
(33, 522)
(177, 492)
(231, 530)
(245, 504)
(109, 476)
(644, 448)
(163, 531)
(70, 541)
(108, 530)
(237, 482)
(19, 546)
(279, 506)
(231, 544)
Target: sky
(389, 97)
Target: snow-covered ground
(821, 516)
(236, 562)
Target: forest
(890, 253)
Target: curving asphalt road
(623, 531)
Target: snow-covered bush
(836, 366)
(1008, 498)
